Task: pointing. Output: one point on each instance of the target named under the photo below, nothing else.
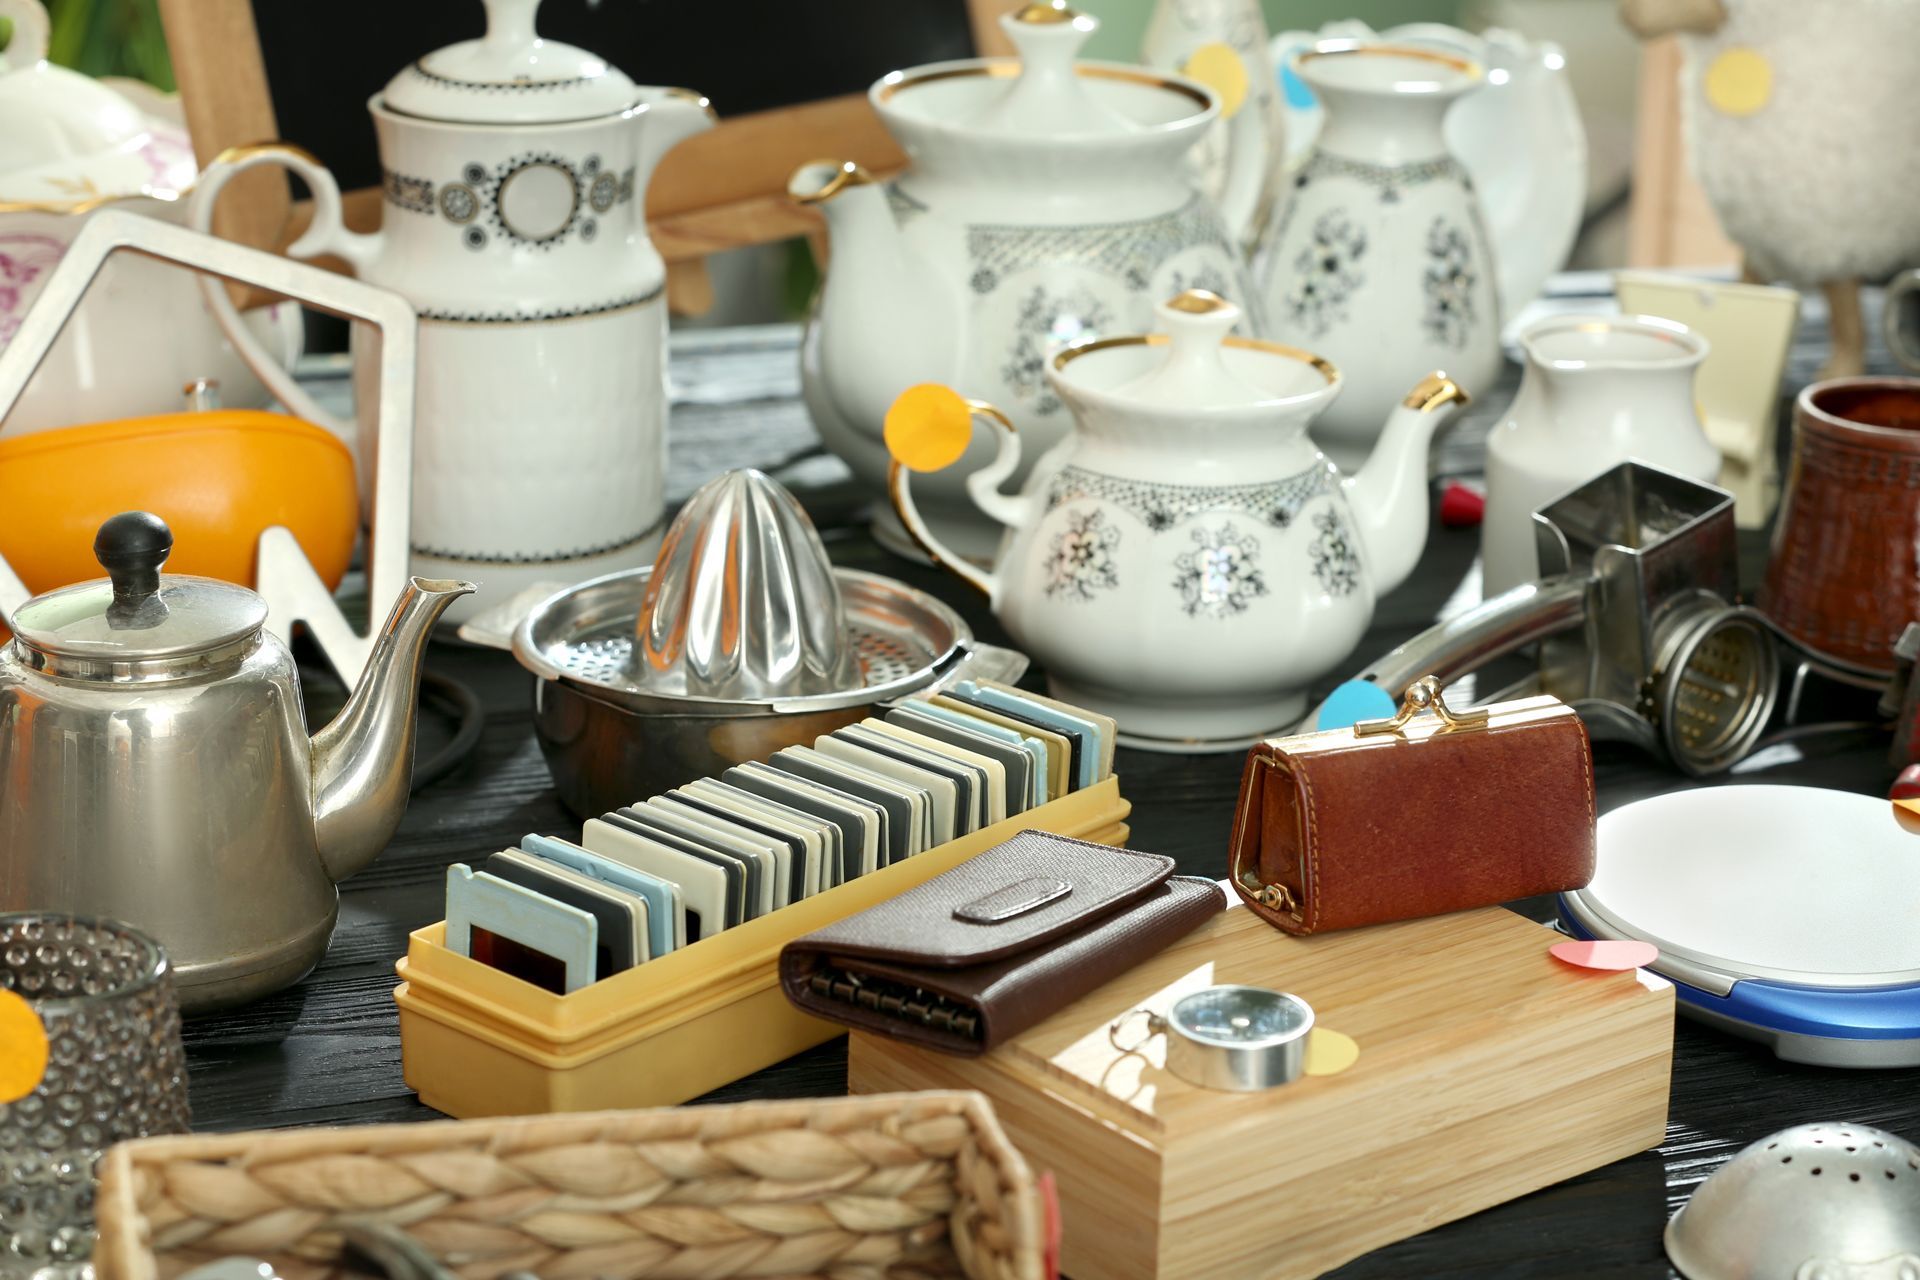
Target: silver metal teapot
(155, 765)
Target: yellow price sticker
(928, 427)
(1739, 82)
(1330, 1052)
(1219, 68)
(23, 1048)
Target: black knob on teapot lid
(131, 547)
(136, 615)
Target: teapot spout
(878, 296)
(1389, 495)
(363, 760)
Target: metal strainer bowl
(1816, 1202)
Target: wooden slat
(1670, 222)
(989, 41)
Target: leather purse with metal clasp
(1429, 812)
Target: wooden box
(1487, 1069)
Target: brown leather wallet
(1415, 816)
(986, 950)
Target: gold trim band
(1351, 48)
(1434, 390)
(1046, 13)
(1323, 366)
(847, 173)
(1008, 68)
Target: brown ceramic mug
(1844, 578)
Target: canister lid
(138, 614)
(510, 76)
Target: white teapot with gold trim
(1188, 561)
(1047, 201)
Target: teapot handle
(32, 33)
(327, 234)
(983, 486)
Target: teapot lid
(55, 116)
(510, 76)
(1044, 93)
(1203, 367)
(136, 614)
(1048, 95)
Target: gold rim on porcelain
(1008, 68)
(1358, 48)
(1321, 365)
(847, 173)
(1045, 13)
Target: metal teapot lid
(135, 614)
(510, 76)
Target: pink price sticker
(1606, 954)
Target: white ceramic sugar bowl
(513, 219)
(1188, 561)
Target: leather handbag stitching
(1310, 888)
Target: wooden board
(1487, 1070)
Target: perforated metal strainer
(1815, 1202)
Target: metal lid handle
(131, 547)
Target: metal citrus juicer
(1639, 628)
(740, 639)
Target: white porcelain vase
(1238, 163)
(1597, 391)
(1046, 202)
(1381, 258)
(513, 219)
(1190, 561)
(1519, 135)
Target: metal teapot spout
(363, 760)
(1389, 495)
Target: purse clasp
(1423, 695)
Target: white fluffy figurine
(1803, 125)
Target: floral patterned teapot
(1047, 201)
(1187, 561)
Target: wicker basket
(895, 1185)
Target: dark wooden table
(327, 1051)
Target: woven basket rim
(123, 1249)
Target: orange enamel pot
(218, 478)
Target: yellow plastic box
(478, 1042)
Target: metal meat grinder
(1638, 626)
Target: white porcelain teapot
(1047, 202)
(513, 219)
(70, 145)
(1187, 561)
